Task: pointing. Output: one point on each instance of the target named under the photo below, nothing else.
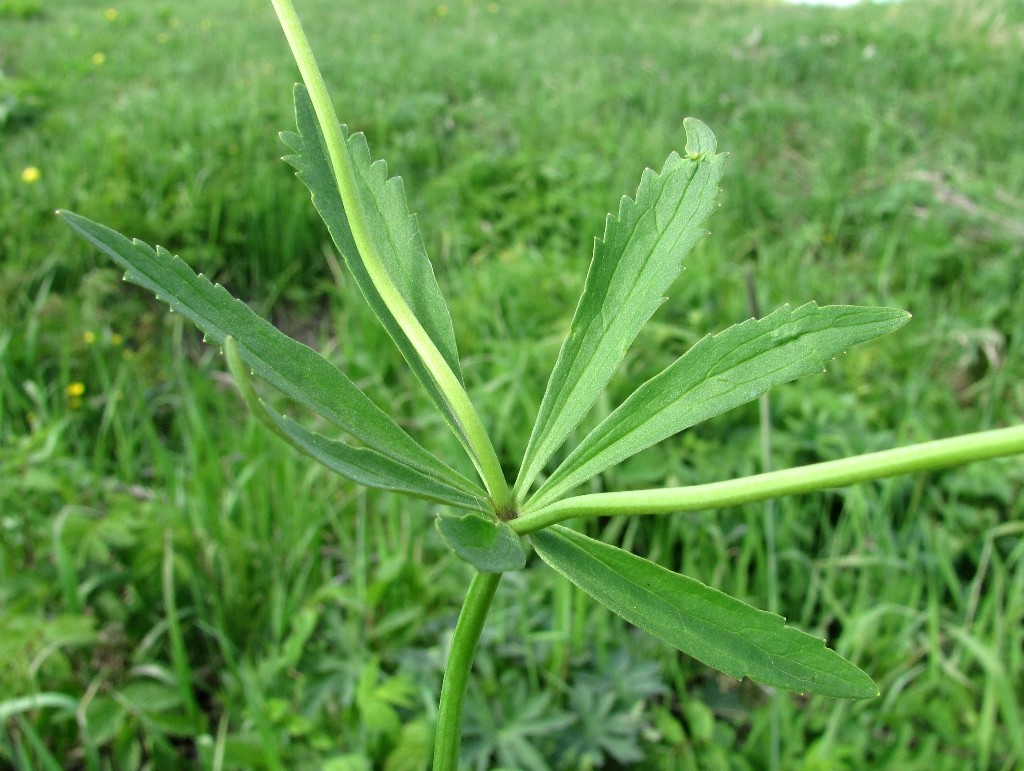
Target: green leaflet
(296, 370)
(395, 233)
(720, 372)
(486, 544)
(361, 465)
(61, 701)
(639, 257)
(711, 626)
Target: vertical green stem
(471, 429)
(179, 652)
(456, 672)
(765, 414)
(775, 716)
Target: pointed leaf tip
(719, 630)
(700, 140)
(297, 371)
(634, 263)
(720, 372)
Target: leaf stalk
(925, 456)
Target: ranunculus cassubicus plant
(488, 522)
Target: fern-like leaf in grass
(640, 255)
(718, 373)
(709, 625)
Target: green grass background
(179, 590)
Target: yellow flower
(116, 339)
(442, 11)
(74, 393)
(30, 175)
(89, 338)
(98, 58)
(110, 14)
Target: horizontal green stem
(456, 672)
(473, 434)
(803, 479)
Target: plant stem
(764, 411)
(803, 479)
(470, 428)
(456, 672)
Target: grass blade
(361, 465)
(639, 257)
(184, 677)
(719, 630)
(47, 700)
(44, 759)
(296, 370)
(720, 372)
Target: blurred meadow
(178, 589)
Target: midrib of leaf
(596, 345)
(604, 560)
(669, 598)
(435, 311)
(634, 288)
(469, 427)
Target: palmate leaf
(711, 626)
(718, 373)
(360, 464)
(296, 370)
(639, 257)
(486, 544)
(395, 233)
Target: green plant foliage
(393, 230)
(526, 721)
(361, 465)
(639, 257)
(709, 625)
(489, 546)
(720, 372)
(512, 723)
(21, 102)
(21, 9)
(296, 370)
